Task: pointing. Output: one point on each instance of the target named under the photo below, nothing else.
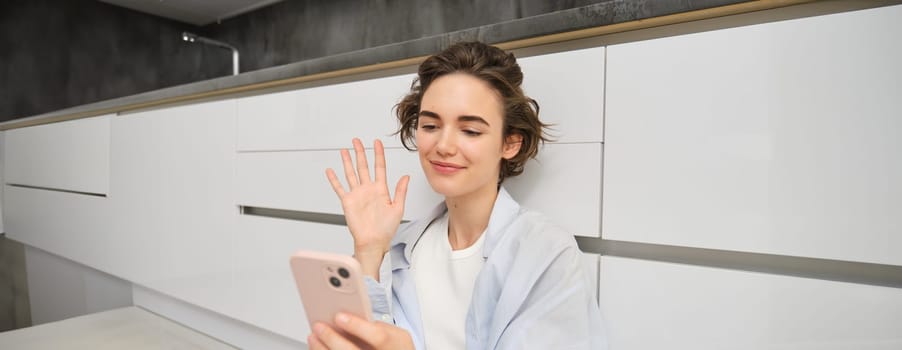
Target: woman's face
(459, 135)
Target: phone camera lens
(335, 281)
(343, 272)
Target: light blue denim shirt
(530, 294)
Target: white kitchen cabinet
(563, 183)
(172, 211)
(322, 117)
(655, 305)
(71, 156)
(779, 138)
(569, 87)
(263, 292)
(297, 181)
(70, 225)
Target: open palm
(372, 214)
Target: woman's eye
(472, 133)
(428, 127)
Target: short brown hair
(500, 70)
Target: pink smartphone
(329, 283)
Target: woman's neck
(468, 216)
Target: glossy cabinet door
(172, 213)
(656, 305)
(56, 183)
(563, 183)
(779, 138)
(569, 87)
(322, 117)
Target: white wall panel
(72, 155)
(769, 138)
(562, 183)
(325, 117)
(653, 305)
(569, 87)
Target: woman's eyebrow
(473, 118)
(463, 118)
(429, 114)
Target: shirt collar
(504, 211)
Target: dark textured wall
(56, 54)
(296, 30)
(61, 53)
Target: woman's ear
(512, 145)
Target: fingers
(350, 174)
(336, 185)
(363, 170)
(380, 162)
(401, 191)
(314, 343)
(327, 338)
(368, 332)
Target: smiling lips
(445, 168)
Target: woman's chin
(444, 188)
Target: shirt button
(386, 318)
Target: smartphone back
(329, 283)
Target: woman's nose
(447, 145)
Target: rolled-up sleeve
(380, 291)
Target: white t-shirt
(444, 281)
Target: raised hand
(372, 214)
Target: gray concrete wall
(61, 53)
(56, 54)
(296, 30)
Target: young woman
(480, 272)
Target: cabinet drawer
(324, 117)
(569, 87)
(767, 138)
(655, 305)
(72, 155)
(563, 183)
